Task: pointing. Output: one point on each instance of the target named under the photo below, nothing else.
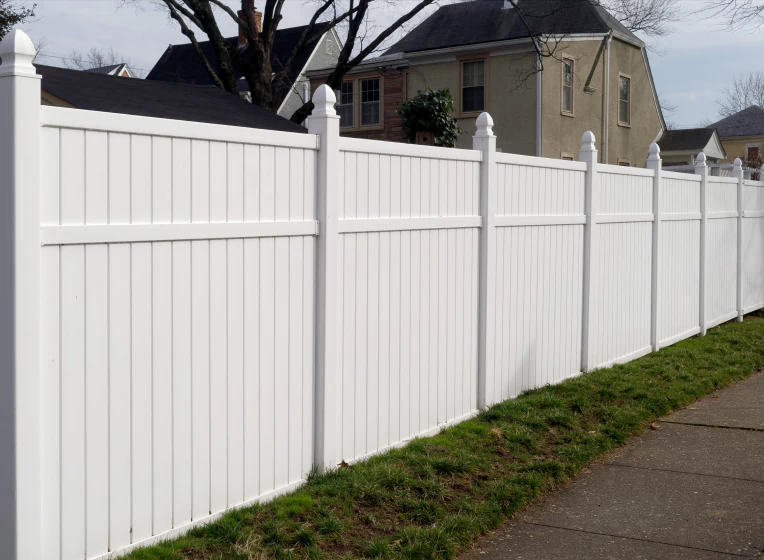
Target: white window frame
(627, 123)
(567, 60)
(462, 62)
(356, 81)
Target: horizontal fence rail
(198, 315)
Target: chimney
(256, 20)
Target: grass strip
(435, 496)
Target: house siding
(511, 98)
(736, 146)
(394, 93)
(324, 56)
(631, 143)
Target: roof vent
(508, 5)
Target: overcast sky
(691, 66)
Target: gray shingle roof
(181, 64)
(748, 122)
(688, 139)
(485, 21)
(164, 100)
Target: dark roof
(180, 63)
(688, 139)
(185, 102)
(106, 69)
(484, 21)
(748, 122)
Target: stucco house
(598, 79)
(180, 63)
(742, 134)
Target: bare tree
(737, 14)
(12, 14)
(746, 90)
(96, 58)
(361, 38)
(649, 17)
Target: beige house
(742, 134)
(597, 77)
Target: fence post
(702, 169)
(325, 123)
(655, 163)
(737, 172)
(19, 299)
(485, 141)
(588, 154)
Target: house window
(624, 163)
(370, 101)
(566, 156)
(567, 86)
(473, 86)
(624, 100)
(753, 153)
(346, 105)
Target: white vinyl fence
(193, 316)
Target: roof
(111, 69)
(180, 63)
(692, 141)
(485, 21)
(748, 122)
(164, 100)
(688, 139)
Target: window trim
(356, 79)
(624, 162)
(618, 90)
(572, 112)
(567, 156)
(482, 57)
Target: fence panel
(181, 370)
(679, 258)
(753, 245)
(409, 262)
(721, 269)
(179, 358)
(540, 220)
(621, 255)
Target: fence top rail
(531, 161)
(623, 170)
(730, 180)
(749, 183)
(150, 126)
(382, 147)
(681, 176)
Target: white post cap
(324, 101)
(484, 125)
(17, 53)
(654, 152)
(700, 160)
(587, 142)
(737, 165)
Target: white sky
(697, 62)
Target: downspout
(538, 106)
(606, 101)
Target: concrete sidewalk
(692, 489)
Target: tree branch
(190, 34)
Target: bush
(430, 111)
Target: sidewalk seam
(616, 464)
(741, 555)
(742, 428)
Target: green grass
(437, 495)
